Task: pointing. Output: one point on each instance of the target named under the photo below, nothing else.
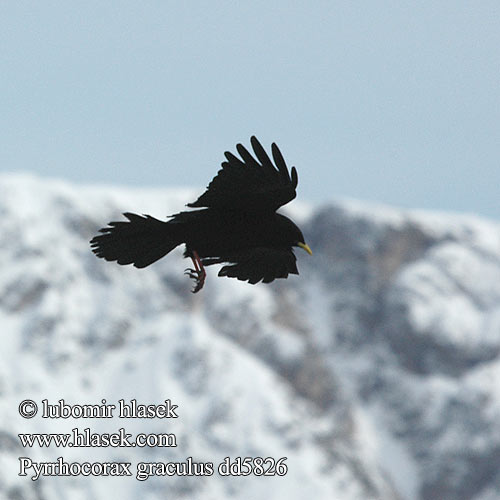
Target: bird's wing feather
(251, 184)
(258, 264)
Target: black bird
(236, 223)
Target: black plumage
(234, 223)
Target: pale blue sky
(389, 101)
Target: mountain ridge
(393, 303)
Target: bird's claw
(192, 273)
(198, 277)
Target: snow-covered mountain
(375, 372)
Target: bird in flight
(234, 222)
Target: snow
(387, 451)
(322, 368)
(468, 318)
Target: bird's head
(285, 230)
(299, 240)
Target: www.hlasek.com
(28, 408)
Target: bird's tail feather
(140, 241)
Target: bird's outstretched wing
(258, 264)
(250, 184)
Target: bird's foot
(198, 276)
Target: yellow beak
(305, 246)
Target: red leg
(196, 261)
(198, 273)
